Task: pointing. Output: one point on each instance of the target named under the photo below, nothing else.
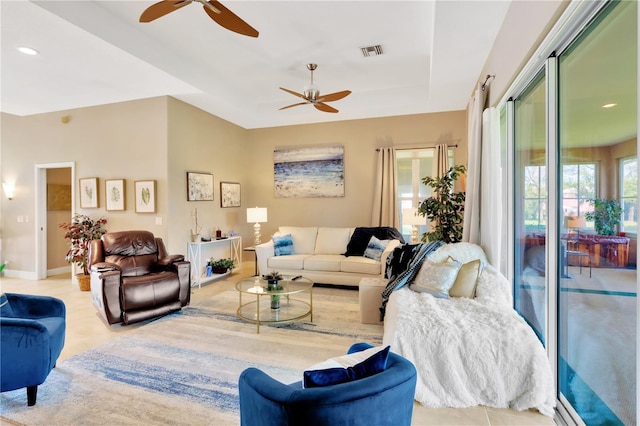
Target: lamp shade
(577, 222)
(409, 217)
(256, 215)
(9, 189)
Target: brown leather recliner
(134, 279)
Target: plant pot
(84, 282)
(219, 270)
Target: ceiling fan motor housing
(312, 92)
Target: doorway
(55, 202)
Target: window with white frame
(629, 194)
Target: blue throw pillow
(375, 248)
(376, 363)
(5, 307)
(282, 245)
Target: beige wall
(125, 140)
(360, 138)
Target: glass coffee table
(259, 308)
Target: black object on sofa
(134, 279)
(361, 236)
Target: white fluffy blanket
(471, 352)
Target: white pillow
(332, 240)
(436, 278)
(467, 280)
(348, 360)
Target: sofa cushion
(323, 262)
(292, 261)
(346, 368)
(5, 307)
(332, 240)
(360, 265)
(304, 238)
(361, 236)
(375, 248)
(282, 244)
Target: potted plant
(272, 279)
(80, 232)
(220, 266)
(606, 215)
(445, 208)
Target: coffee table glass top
(256, 285)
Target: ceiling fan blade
(296, 94)
(298, 104)
(228, 19)
(335, 96)
(162, 8)
(324, 107)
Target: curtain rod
(486, 80)
(417, 146)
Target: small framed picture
(145, 191)
(199, 186)
(229, 194)
(89, 193)
(114, 194)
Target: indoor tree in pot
(80, 232)
(606, 215)
(445, 208)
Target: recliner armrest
(168, 260)
(104, 267)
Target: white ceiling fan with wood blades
(312, 95)
(213, 8)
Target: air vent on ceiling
(371, 50)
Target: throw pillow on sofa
(375, 248)
(436, 278)
(282, 244)
(467, 280)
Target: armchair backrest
(134, 252)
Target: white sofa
(319, 256)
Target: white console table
(198, 260)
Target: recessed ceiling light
(609, 105)
(27, 50)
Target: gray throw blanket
(402, 266)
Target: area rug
(183, 369)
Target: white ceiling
(96, 52)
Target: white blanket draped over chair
(470, 352)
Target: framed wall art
(309, 172)
(89, 193)
(229, 194)
(114, 194)
(199, 186)
(145, 191)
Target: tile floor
(85, 329)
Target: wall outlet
(20, 219)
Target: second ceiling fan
(312, 95)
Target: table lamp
(256, 216)
(410, 217)
(577, 222)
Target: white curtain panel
(491, 226)
(471, 225)
(385, 199)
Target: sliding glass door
(597, 197)
(575, 211)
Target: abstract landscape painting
(309, 172)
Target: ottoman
(370, 294)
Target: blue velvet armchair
(32, 332)
(385, 398)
